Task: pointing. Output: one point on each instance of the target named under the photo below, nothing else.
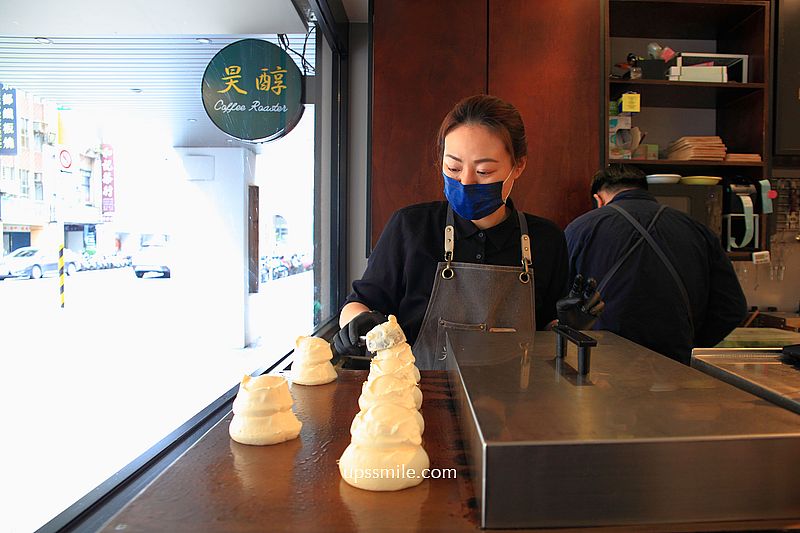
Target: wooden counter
(219, 485)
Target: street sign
(65, 158)
(107, 179)
(8, 121)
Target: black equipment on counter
(793, 351)
(582, 341)
(744, 200)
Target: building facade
(51, 190)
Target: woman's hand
(348, 340)
(581, 307)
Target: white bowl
(663, 178)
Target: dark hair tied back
(493, 113)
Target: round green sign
(252, 90)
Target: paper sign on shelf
(630, 103)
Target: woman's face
(475, 154)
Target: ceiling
(139, 57)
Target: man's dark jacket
(643, 302)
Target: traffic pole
(61, 273)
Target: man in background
(665, 279)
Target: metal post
(61, 273)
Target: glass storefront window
(157, 319)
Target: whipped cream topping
(262, 395)
(387, 425)
(386, 444)
(401, 351)
(385, 451)
(312, 362)
(393, 366)
(389, 388)
(385, 335)
(262, 412)
(379, 469)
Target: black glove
(581, 307)
(348, 342)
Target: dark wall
(426, 56)
(541, 56)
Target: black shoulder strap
(632, 248)
(657, 249)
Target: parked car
(120, 260)
(33, 263)
(152, 258)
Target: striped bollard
(61, 273)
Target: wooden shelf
(725, 85)
(672, 109)
(685, 94)
(684, 163)
(683, 19)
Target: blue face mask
(476, 200)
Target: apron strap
(613, 270)
(657, 249)
(525, 245)
(449, 243)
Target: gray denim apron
(470, 296)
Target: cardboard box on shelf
(615, 152)
(646, 151)
(735, 64)
(619, 122)
(708, 74)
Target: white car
(153, 258)
(33, 263)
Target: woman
(473, 262)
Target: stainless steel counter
(641, 440)
(756, 338)
(767, 374)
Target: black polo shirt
(400, 271)
(642, 300)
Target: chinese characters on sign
(253, 90)
(271, 81)
(8, 121)
(107, 179)
(231, 79)
(266, 81)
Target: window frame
(38, 187)
(22, 133)
(24, 183)
(86, 186)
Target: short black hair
(618, 176)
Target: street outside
(92, 386)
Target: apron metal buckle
(525, 276)
(447, 272)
